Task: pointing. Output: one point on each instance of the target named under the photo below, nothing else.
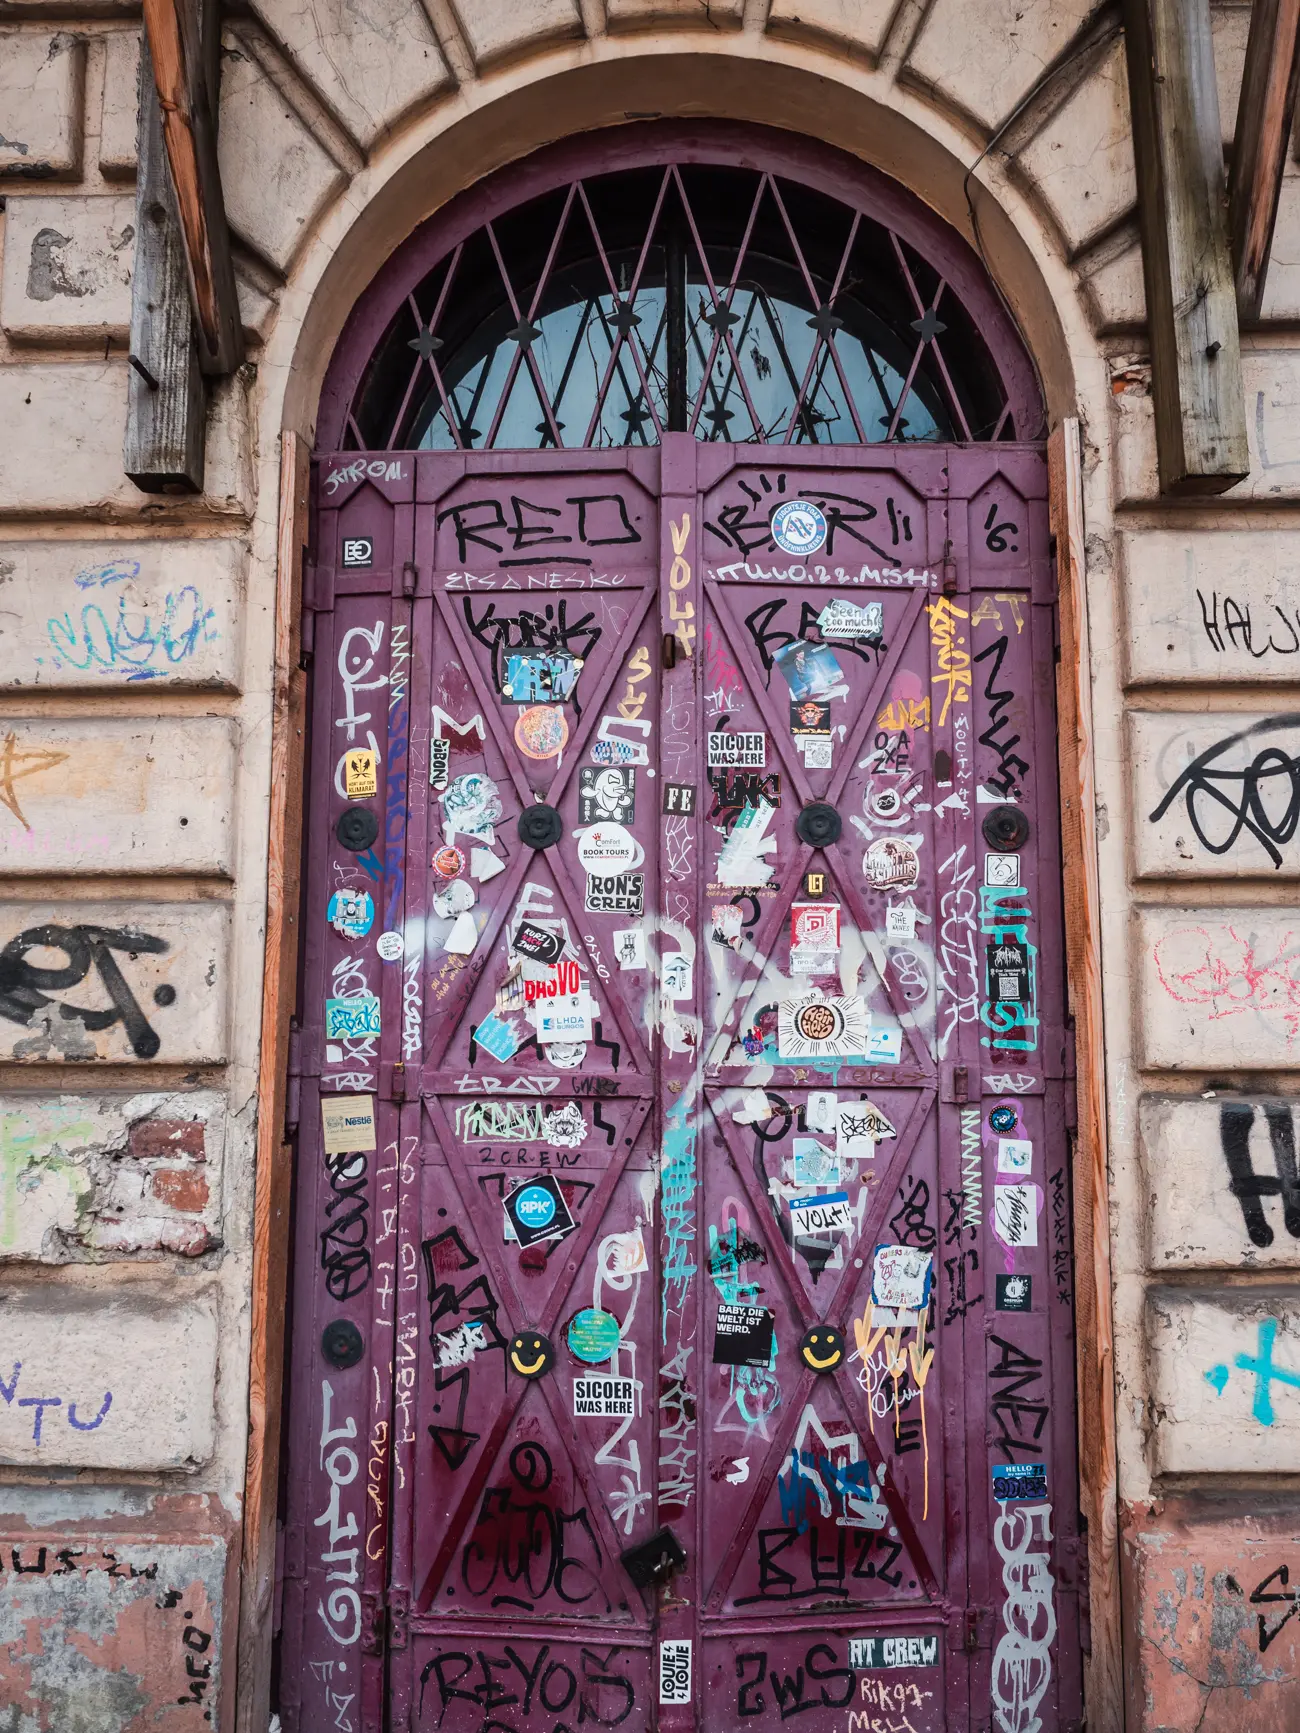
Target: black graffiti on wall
(1261, 798)
(525, 1677)
(538, 534)
(1248, 1187)
(26, 989)
(344, 1240)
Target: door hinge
(399, 1609)
(668, 650)
(1071, 1084)
(306, 637)
(293, 1080)
(409, 578)
(373, 1620)
(971, 1633)
(399, 1080)
(949, 570)
(955, 1084)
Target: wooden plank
(274, 1156)
(1200, 409)
(1264, 117)
(1094, 1330)
(162, 451)
(185, 48)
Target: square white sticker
(1002, 870)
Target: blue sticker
(352, 913)
(497, 1037)
(594, 1335)
(535, 1207)
(1015, 1482)
(541, 679)
(352, 1019)
(799, 527)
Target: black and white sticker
(731, 750)
(675, 1670)
(358, 551)
(605, 1398)
(893, 1651)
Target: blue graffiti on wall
(109, 639)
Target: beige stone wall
(135, 663)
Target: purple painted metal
(913, 229)
(815, 1511)
(616, 636)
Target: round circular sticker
(1002, 1120)
(819, 1021)
(351, 913)
(449, 863)
(389, 946)
(542, 731)
(891, 862)
(799, 527)
(608, 848)
(534, 1206)
(593, 1335)
(886, 803)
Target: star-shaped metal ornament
(636, 417)
(524, 333)
(722, 319)
(623, 319)
(425, 344)
(928, 326)
(719, 416)
(824, 322)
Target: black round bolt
(342, 1343)
(818, 824)
(540, 827)
(1005, 827)
(357, 828)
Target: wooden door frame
(1093, 1321)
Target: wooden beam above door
(184, 42)
(1200, 408)
(1264, 118)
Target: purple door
(682, 1329)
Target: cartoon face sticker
(822, 1348)
(530, 1354)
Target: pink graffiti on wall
(1231, 973)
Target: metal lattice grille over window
(731, 301)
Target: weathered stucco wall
(135, 665)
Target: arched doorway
(682, 1299)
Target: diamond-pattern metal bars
(800, 320)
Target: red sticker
(449, 863)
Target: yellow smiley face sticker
(531, 1354)
(822, 1348)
